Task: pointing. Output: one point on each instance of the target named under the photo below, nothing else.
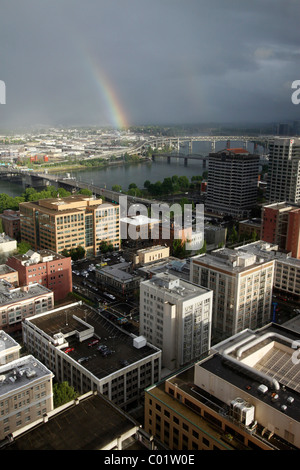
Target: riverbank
(99, 165)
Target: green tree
(183, 182)
(117, 187)
(63, 393)
(86, 192)
(23, 247)
(147, 184)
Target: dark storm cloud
(167, 61)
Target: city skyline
(138, 62)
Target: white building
(91, 353)
(242, 285)
(7, 245)
(175, 315)
(284, 170)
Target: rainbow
(107, 92)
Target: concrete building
(243, 396)
(175, 315)
(286, 280)
(85, 349)
(242, 284)
(66, 223)
(9, 348)
(281, 226)
(232, 182)
(283, 183)
(22, 302)
(45, 267)
(25, 394)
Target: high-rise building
(175, 316)
(281, 226)
(65, 223)
(232, 182)
(283, 183)
(242, 286)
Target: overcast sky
(98, 62)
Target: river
(136, 173)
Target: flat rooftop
(72, 320)
(6, 341)
(21, 373)
(10, 296)
(241, 359)
(95, 424)
(118, 271)
(234, 261)
(4, 269)
(177, 287)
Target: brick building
(45, 267)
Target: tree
(147, 184)
(86, 192)
(132, 185)
(183, 182)
(23, 247)
(117, 187)
(63, 393)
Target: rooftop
(35, 257)
(6, 341)
(118, 271)
(21, 373)
(267, 356)
(235, 261)
(78, 321)
(177, 287)
(9, 296)
(96, 423)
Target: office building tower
(65, 223)
(283, 183)
(175, 316)
(242, 286)
(232, 182)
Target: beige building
(7, 245)
(152, 254)
(9, 348)
(65, 223)
(25, 394)
(287, 269)
(9, 275)
(175, 315)
(243, 396)
(242, 285)
(22, 302)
